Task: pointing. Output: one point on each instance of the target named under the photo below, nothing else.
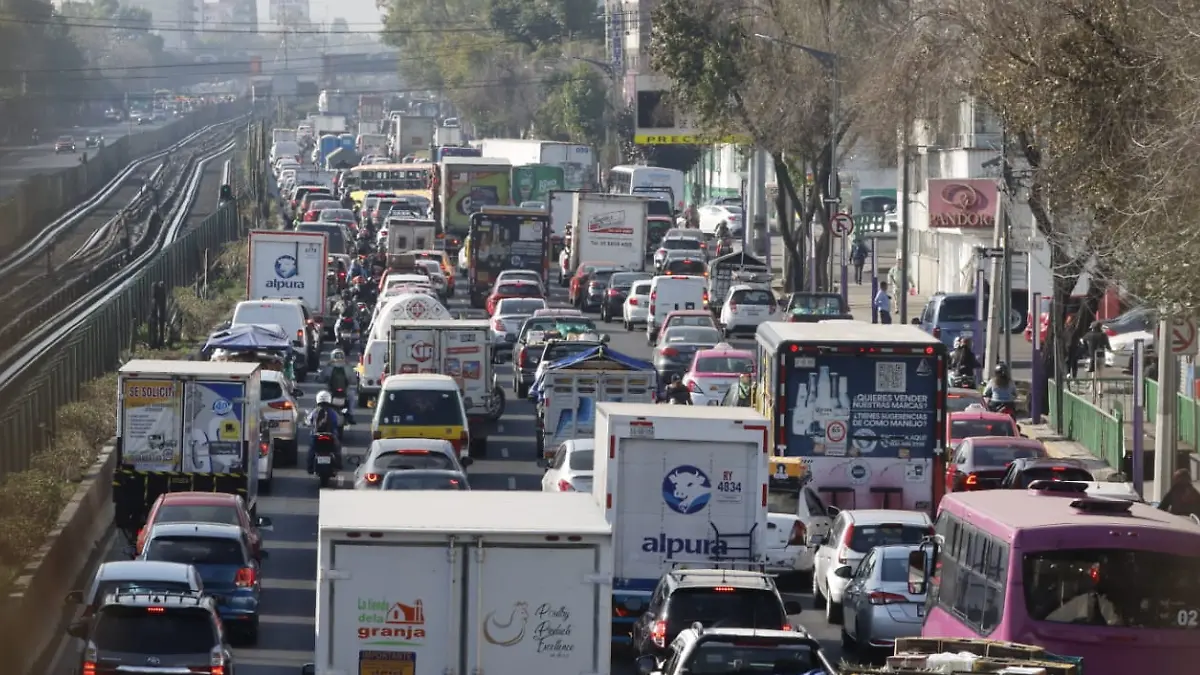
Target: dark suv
(1025, 470)
(715, 598)
(527, 350)
(174, 632)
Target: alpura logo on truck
(686, 490)
(286, 272)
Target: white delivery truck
(410, 234)
(461, 349)
(328, 124)
(562, 206)
(682, 487)
(185, 426)
(576, 161)
(288, 265)
(283, 136)
(608, 228)
(517, 583)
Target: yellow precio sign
(689, 139)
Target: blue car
(229, 572)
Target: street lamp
(830, 62)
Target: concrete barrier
(33, 615)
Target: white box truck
(576, 161)
(461, 349)
(184, 426)
(562, 207)
(682, 487)
(288, 265)
(430, 583)
(410, 234)
(608, 228)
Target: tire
(250, 634)
(833, 612)
(324, 480)
(818, 599)
(496, 410)
(604, 314)
(628, 326)
(849, 646)
(522, 390)
(1016, 320)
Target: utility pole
(1165, 432)
(902, 292)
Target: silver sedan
(878, 604)
(508, 318)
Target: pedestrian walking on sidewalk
(858, 256)
(1096, 343)
(883, 303)
(1182, 499)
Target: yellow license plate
(375, 662)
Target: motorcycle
(1007, 407)
(346, 333)
(962, 380)
(326, 459)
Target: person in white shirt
(883, 303)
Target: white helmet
(324, 398)
(337, 355)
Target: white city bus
(635, 179)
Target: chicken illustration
(510, 631)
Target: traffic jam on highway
(664, 467)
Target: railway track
(117, 217)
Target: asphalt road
(286, 634)
(18, 163)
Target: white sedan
(636, 309)
(713, 215)
(569, 467)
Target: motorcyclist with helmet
(324, 420)
(339, 375)
(1000, 390)
(962, 359)
(677, 392)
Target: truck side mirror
(917, 566)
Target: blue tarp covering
(266, 337)
(587, 355)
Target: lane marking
(512, 482)
(274, 584)
(504, 453)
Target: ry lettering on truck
(384, 622)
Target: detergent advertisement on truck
(866, 425)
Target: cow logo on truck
(686, 489)
(286, 269)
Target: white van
(673, 293)
(372, 370)
(294, 318)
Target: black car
(93, 139)
(733, 598)
(678, 345)
(527, 350)
(613, 302)
(1024, 471)
(172, 632)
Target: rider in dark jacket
(678, 392)
(962, 359)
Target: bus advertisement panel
(533, 182)
(468, 189)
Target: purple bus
(1114, 582)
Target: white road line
(285, 620)
(504, 453)
(289, 544)
(271, 657)
(500, 428)
(273, 584)
(512, 482)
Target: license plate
(273, 424)
(325, 460)
(714, 403)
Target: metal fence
(1101, 432)
(28, 404)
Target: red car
(512, 289)
(979, 462)
(204, 507)
(579, 282)
(977, 421)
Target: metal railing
(1101, 432)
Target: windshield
(866, 537)
(684, 266)
(692, 335)
(1002, 455)
(269, 391)
(526, 290)
(750, 656)
(197, 513)
(973, 428)
(581, 460)
(783, 500)
(739, 608)
(753, 297)
(895, 566)
(414, 480)
(1113, 587)
(701, 320)
(519, 307)
(137, 630)
(816, 304)
(957, 309)
(423, 407)
(197, 550)
(565, 326)
(627, 279)
(286, 316)
(411, 459)
(337, 215)
(724, 364)
(1053, 473)
(682, 244)
(959, 402)
(337, 240)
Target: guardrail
(1102, 433)
(100, 318)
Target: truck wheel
(496, 404)
(522, 390)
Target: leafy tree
(575, 107)
(39, 80)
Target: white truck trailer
(461, 349)
(288, 265)
(609, 228)
(682, 487)
(429, 583)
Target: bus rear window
(1114, 587)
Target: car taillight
(324, 437)
(653, 296)
(263, 448)
(669, 351)
(881, 598)
(845, 547)
(1110, 332)
(300, 334)
(799, 534)
(498, 325)
(565, 486)
(659, 634)
(521, 358)
(612, 292)
(245, 577)
(693, 387)
(633, 302)
(342, 276)
(89, 668)
(704, 297)
(280, 405)
(937, 332)
(310, 217)
(971, 481)
(372, 478)
(461, 445)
